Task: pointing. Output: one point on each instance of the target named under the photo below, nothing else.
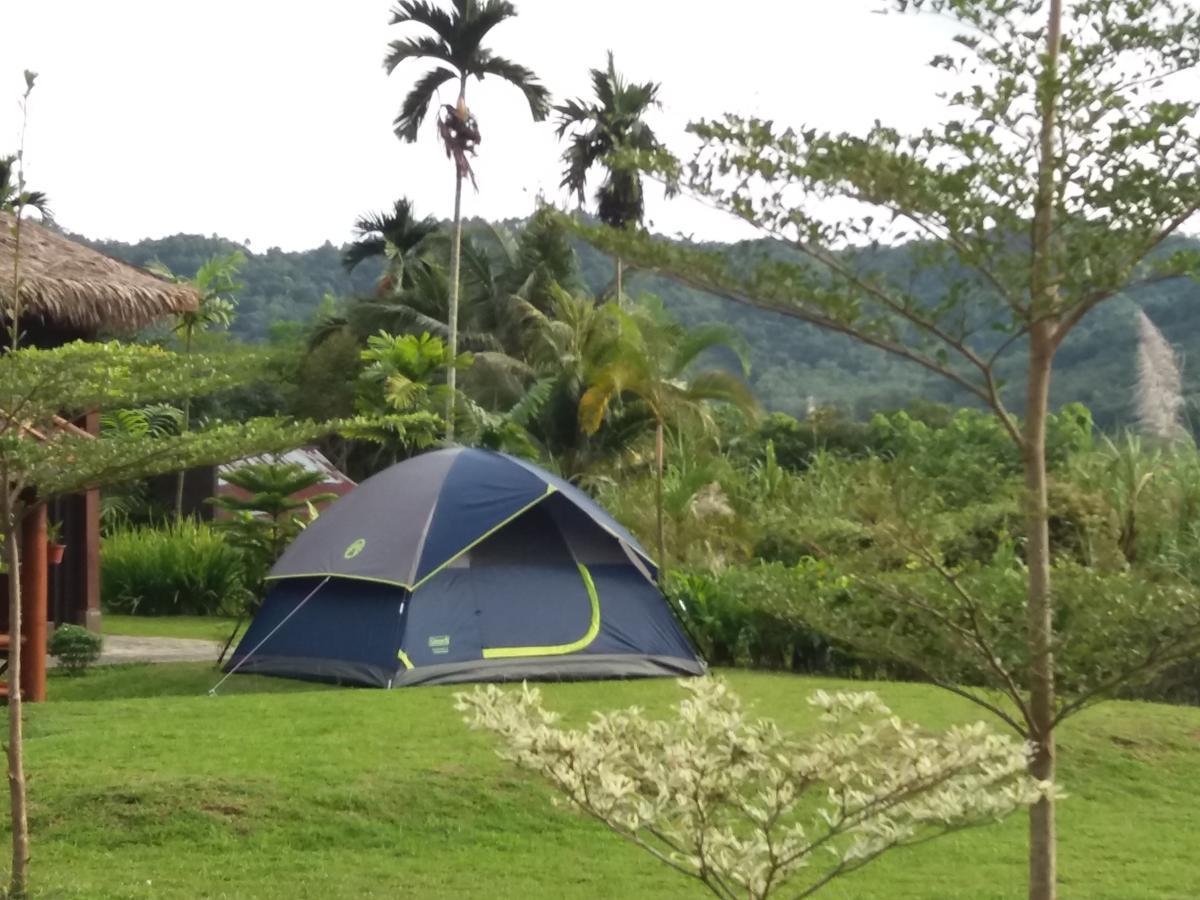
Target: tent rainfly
(464, 565)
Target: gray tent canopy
(464, 565)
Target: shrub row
(733, 618)
(185, 568)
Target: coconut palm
(455, 45)
(601, 129)
(396, 236)
(652, 364)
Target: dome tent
(464, 565)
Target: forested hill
(793, 364)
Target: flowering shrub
(747, 810)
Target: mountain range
(794, 366)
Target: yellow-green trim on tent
(550, 489)
(558, 649)
(403, 657)
(387, 581)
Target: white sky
(270, 120)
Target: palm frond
(593, 406)
(421, 12)
(325, 328)
(519, 77)
(530, 406)
(497, 362)
(573, 112)
(723, 387)
(695, 341)
(362, 250)
(416, 105)
(422, 47)
(477, 19)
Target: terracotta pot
(54, 553)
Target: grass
(209, 628)
(143, 786)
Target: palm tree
(12, 197)
(456, 48)
(651, 364)
(603, 128)
(214, 281)
(398, 237)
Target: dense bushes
(904, 555)
(179, 569)
(738, 617)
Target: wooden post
(34, 573)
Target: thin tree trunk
(1040, 603)
(14, 314)
(16, 743)
(455, 263)
(620, 290)
(1040, 608)
(187, 424)
(659, 466)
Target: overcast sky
(270, 120)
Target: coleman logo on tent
(439, 643)
(354, 549)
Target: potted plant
(54, 550)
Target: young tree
(604, 127)
(215, 281)
(43, 456)
(652, 361)
(748, 811)
(14, 198)
(1068, 158)
(266, 520)
(456, 47)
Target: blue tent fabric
(479, 494)
(464, 565)
(347, 634)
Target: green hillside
(794, 364)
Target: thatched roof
(67, 285)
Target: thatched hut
(69, 292)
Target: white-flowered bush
(748, 810)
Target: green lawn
(209, 628)
(143, 786)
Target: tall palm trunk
(659, 467)
(455, 263)
(1040, 604)
(12, 521)
(620, 290)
